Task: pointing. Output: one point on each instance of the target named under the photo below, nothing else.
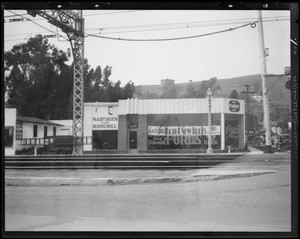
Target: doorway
(132, 142)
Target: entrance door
(133, 141)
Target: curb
(38, 181)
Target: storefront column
(242, 132)
(142, 134)
(222, 131)
(122, 133)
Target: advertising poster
(19, 130)
(182, 137)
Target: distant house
(18, 128)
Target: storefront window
(183, 131)
(232, 132)
(9, 136)
(105, 139)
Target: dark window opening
(54, 131)
(35, 130)
(9, 136)
(132, 121)
(45, 131)
(105, 140)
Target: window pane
(45, 131)
(35, 128)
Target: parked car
(283, 141)
(61, 144)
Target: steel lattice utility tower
(72, 23)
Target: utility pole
(266, 109)
(209, 148)
(72, 23)
(247, 92)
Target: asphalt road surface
(254, 204)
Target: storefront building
(164, 125)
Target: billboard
(182, 137)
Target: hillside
(277, 93)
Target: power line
(171, 39)
(212, 23)
(88, 15)
(39, 25)
(156, 29)
(171, 28)
(194, 22)
(111, 13)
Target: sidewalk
(94, 177)
(254, 150)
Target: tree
(191, 91)
(170, 91)
(251, 122)
(234, 94)
(145, 95)
(97, 77)
(33, 72)
(129, 90)
(205, 85)
(106, 74)
(39, 83)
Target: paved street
(257, 203)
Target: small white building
(19, 128)
(66, 128)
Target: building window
(35, 130)
(9, 136)
(54, 131)
(45, 131)
(132, 121)
(105, 139)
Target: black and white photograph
(159, 119)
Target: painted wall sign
(105, 118)
(183, 130)
(234, 106)
(182, 137)
(19, 130)
(232, 132)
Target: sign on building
(19, 130)
(179, 137)
(234, 106)
(105, 118)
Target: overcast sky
(224, 55)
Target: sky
(224, 55)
